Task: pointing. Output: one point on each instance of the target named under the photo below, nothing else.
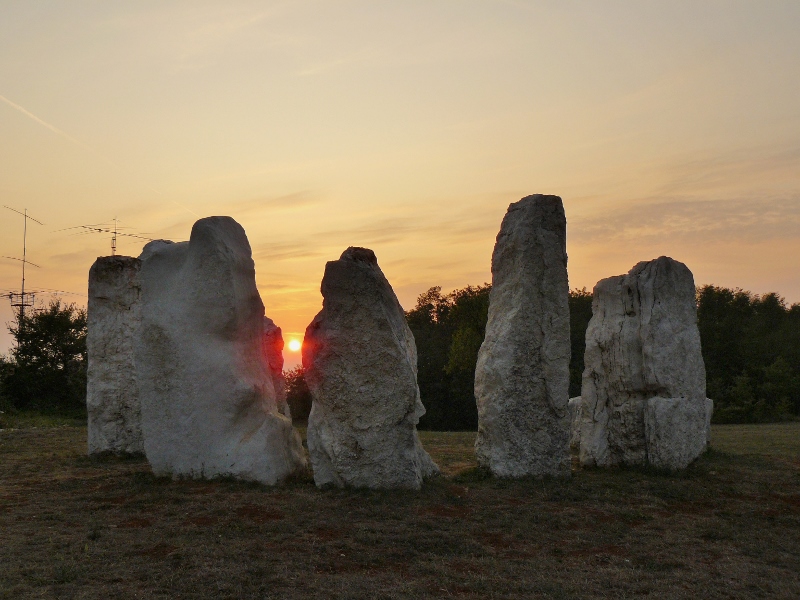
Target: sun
(295, 345)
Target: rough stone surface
(641, 343)
(112, 398)
(273, 351)
(575, 410)
(522, 373)
(360, 363)
(675, 431)
(208, 400)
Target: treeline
(751, 348)
(449, 330)
(46, 369)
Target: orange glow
(658, 126)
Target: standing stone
(575, 412)
(360, 363)
(522, 373)
(273, 352)
(644, 382)
(112, 398)
(208, 399)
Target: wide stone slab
(522, 373)
(360, 363)
(209, 405)
(642, 343)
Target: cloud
(200, 38)
(332, 242)
(276, 286)
(752, 167)
(52, 128)
(278, 251)
(84, 256)
(89, 149)
(284, 202)
(748, 195)
(746, 220)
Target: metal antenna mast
(106, 228)
(23, 299)
(114, 239)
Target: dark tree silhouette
(297, 394)
(751, 348)
(46, 369)
(580, 312)
(449, 330)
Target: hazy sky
(407, 127)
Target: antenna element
(21, 300)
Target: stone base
(676, 431)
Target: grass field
(72, 527)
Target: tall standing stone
(208, 400)
(360, 363)
(522, 373)
(112, 396)
(643, 389)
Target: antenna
(114, 239)
(114, 230)
(21, 300)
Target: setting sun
(295, 345)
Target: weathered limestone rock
(112, 398)
(208, 400)
(360, 363)
(575, 411)
(273, 351)
(675, 431)
(522, 373)
(644, 382)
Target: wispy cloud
(52, 128)
(199, 38)
(271, 252)
(745, 167)
(267, 203)
(749, 220)
(86, 147)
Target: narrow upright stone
(360, 363)
(644, 383)
(209, 405)
(273, 352)
(575, 410)
(112, 397)
(522, 373)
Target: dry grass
(773, 439)
(77, 528)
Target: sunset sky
(406, 127)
